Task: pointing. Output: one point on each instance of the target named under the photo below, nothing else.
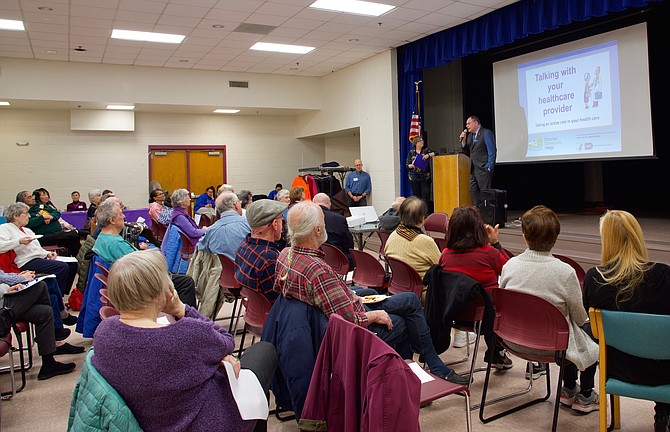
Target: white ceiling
(55, 27)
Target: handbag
(7, 320)
(75, 300)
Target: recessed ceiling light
(50, 51)
(80, 48)
(183, 61)
(45, 8)
(226, 111)
(217, 26)
(354, 40)
(121, 107)
(6, 24)
(3, 103)
(281, 48)
(147, 36)
(353, 6)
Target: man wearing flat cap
(257, 255)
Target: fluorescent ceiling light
(353, 7)
(121, 107)
(6, 24)
(147, 36)
(3, 103)
(226, 111)
(281, 48)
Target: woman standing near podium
(419, 170)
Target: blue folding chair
(638, 334)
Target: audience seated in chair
(110, 246)
(226, 234)
(257, 255)
(408, 243)
(33, 305)
(390, 220)
(159, 211)
(76, 205)
(627, 281)
(16, 236)
(537, 272)
(302, 274)
(473, 249)
(181, 203)
(205, 203)
(45, 220)
(171, 376)
(336, 227)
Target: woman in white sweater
(537, 272)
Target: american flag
(415, 123)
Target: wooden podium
(451, 178)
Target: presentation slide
(587, 99)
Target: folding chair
(231, 289)
(108, 312)
(158, 230)
(404, 278)
(205, 221)
(368, 272)
(436, 225)
(186, 250)
(6, 348)
(526, 323)
(581, 274)
(336, 259)
(637, 334)
(257, 308)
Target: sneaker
(455, 378)
(70, 320)
(55, 369)
(66, 348)
(501, 361)
(568, 396)
(460, 339)
(62, 333)
(538, 370)
(586, 404)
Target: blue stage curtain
(500, 27)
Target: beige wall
(343, 149)
(261, 152)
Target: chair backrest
(104, 297)
(581, 274)
(102, 278)
(472, 311)
(107, 312)
(227, 279)
(187, 247)
(158, 229)
(637, 334)
(368, 272)
(205, 221)
(103, 269)
(530, 321)
(404, 278)
(436, 225)
(441, 243)
(257, 310)
(383, 236)
(336, 259)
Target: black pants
(67, 239)
(64, 272)
(261, 359)
(421, 189)
(33, 305)
(479, 180)
(361, 203)
(185, 287)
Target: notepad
(421, 164)
(419, 372)
(248, 394)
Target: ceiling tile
(109, 4)
(90, 22)
(427, 5)
(316, 14)
(271, 20)
(237, 5)
(16, 54)
(89, 31)
(337, 27)
(60, 37)
(460, 10)
(303, 3)
(289, 32)
(227, 15)
(303, 24)
(277, 9)
(11, 14)
(186, 11)
(172, 20)
(92, 12)
(440, 20)
(135, 16)
(33, 6)
(198, 3)
(200, 41)
(406, 14)
(29, 17)
(46, 28)
(141, 6)
(9, 5)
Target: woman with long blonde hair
(627, 281)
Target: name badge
(355, 178)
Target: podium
(451, 180)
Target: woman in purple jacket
(171, 375)
(181, 202)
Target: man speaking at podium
(480, 145)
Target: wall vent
(238, 84)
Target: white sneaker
(460, 340)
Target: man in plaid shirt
(257, 254)
(302, 273)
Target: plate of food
(36, 236)
(373, 298)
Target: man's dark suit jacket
(338, 233)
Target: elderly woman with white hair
(15, 236)
(181, 202)
(172, 376)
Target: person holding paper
(16, 236)
(479, 144)
(171, 376)
(418, 163)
